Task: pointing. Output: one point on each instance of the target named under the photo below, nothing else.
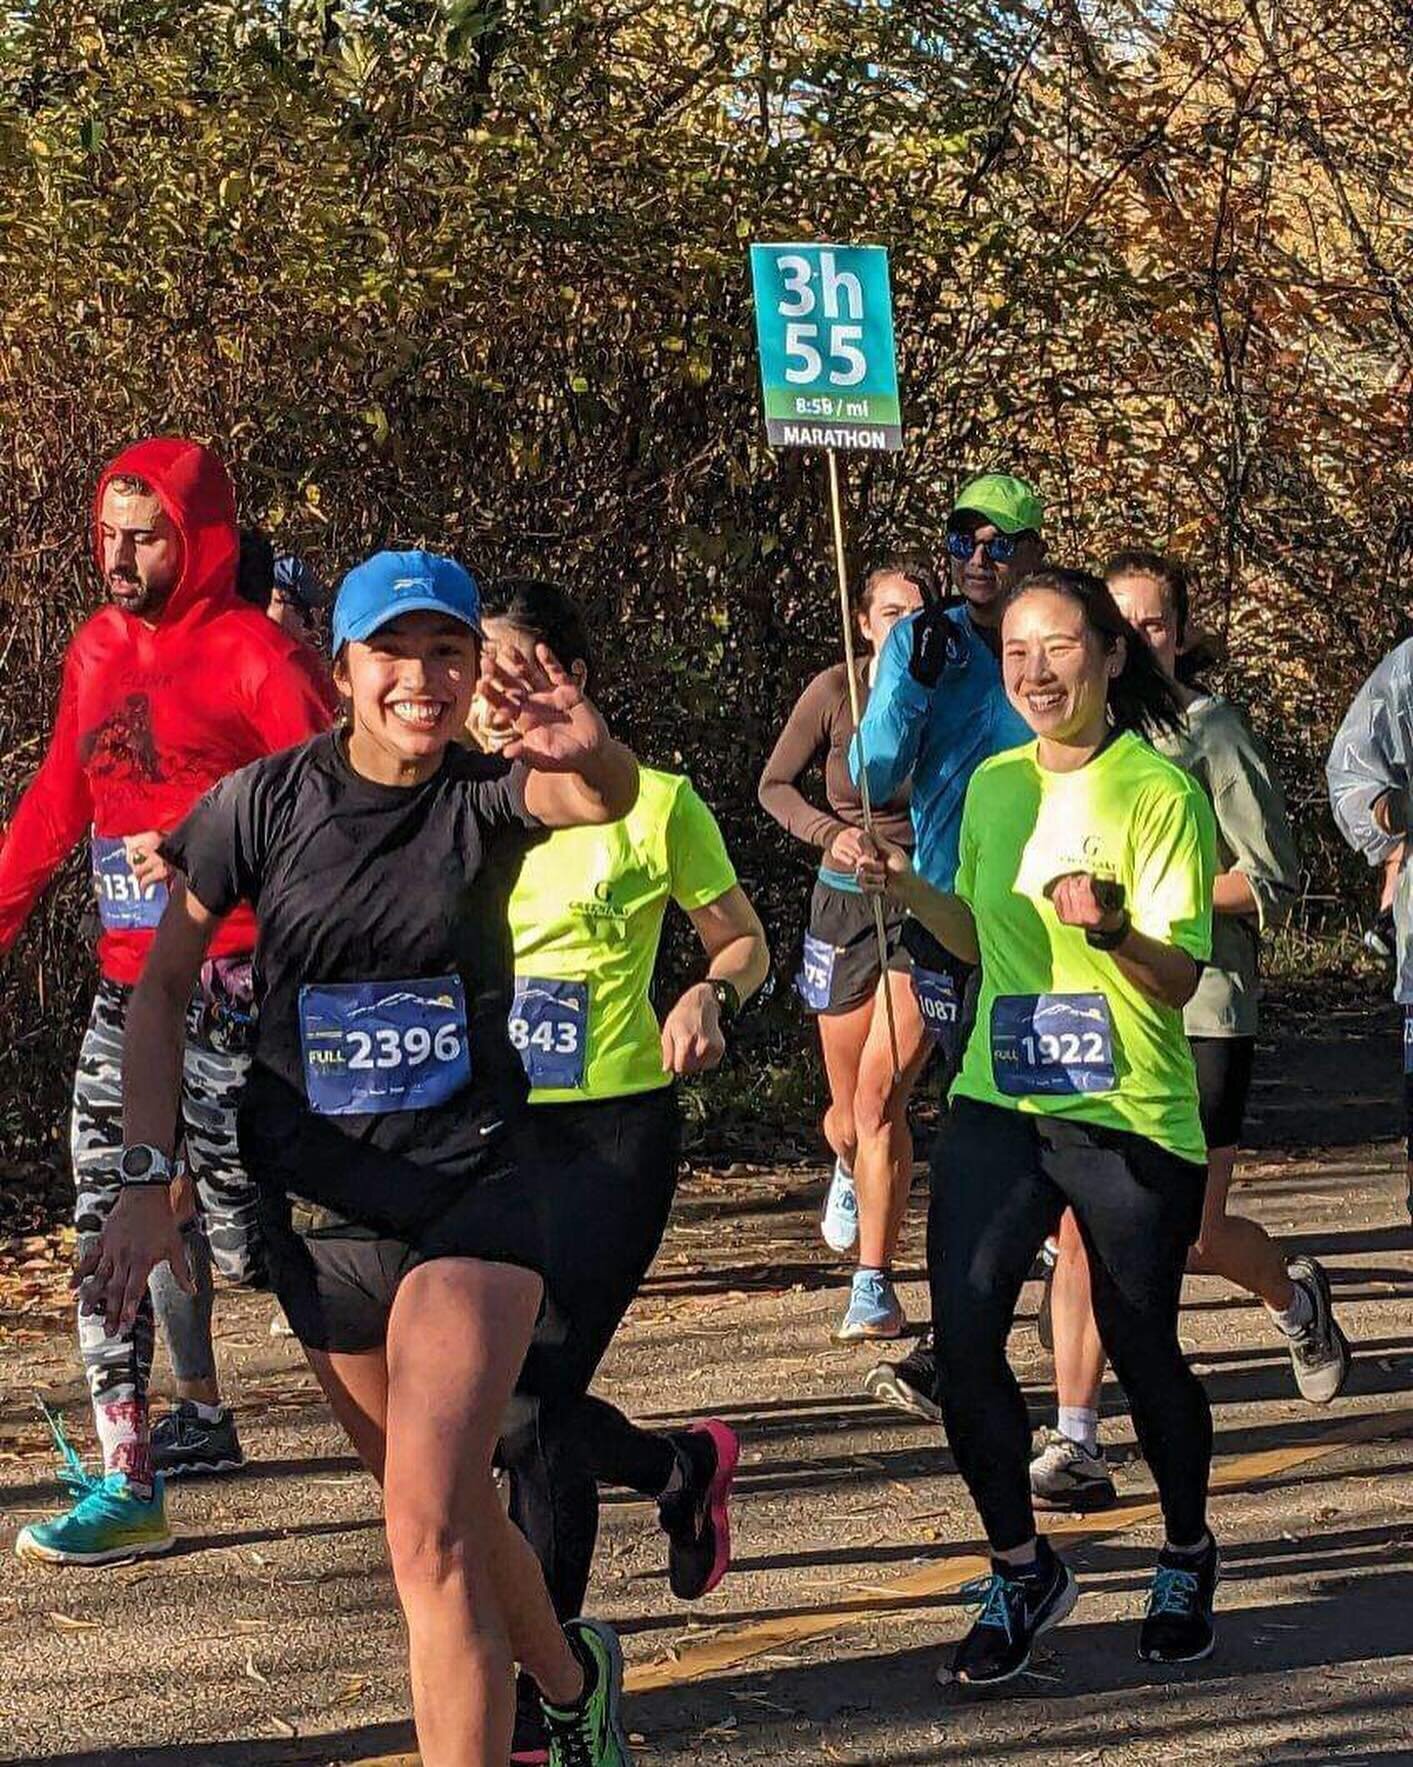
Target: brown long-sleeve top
(821, 727)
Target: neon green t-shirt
(586, 918)
(1060, 1030)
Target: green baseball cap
(1009, 504)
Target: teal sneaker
(107, 1524)
(590, 1733)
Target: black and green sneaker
(589, 1733)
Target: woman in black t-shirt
(380, 1116)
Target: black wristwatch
(143, 1165)
(1102, 941)
(728, 998)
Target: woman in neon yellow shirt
(1084, 889)
(586, 920)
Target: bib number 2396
(374, 1047)
(549, 1028)
(1051, 1043)
(123, 903)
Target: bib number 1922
(1051, 1043)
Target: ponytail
(1142, 698)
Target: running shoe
(1319, 1352)
(909, 1385)
(108, 1524)
(590, 1733)
(697, 1517)
(1179, 1626)
(840, 1221)
(185, 1444)
(1013, 1611)
(1044, 1323)
(530, 1743)
(1065, 1475)
(874, 1310)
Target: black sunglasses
(1000, 548)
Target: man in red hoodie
(168, 688)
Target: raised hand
(554, 726)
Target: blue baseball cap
(393, 583)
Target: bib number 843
(551, 1038)
(408, 1046)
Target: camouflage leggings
(214, 1069)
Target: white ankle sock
(1298, 1314)
(1079, 1424)
(208, 1413)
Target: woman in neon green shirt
(586, 920)
(1084, 889)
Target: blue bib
(941, 1009)
(374, 1047)
(1408, 1040)
(549, 1027)
(816, 975)
(122, 901)
(1051, 1043)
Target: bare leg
(1079, 1352)
(841, 1037)
(1231, 1246)
(471, 1591)
(883, 1166)
(356, 1386)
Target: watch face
(137, 1162)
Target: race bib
(374, 1047)
(1051, 1043)
(941, 1009)
(122, 901)
(816, 975)
(549, 1027)
(1408, 1040)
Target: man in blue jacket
(937, 709)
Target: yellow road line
(866, 1601)
(861, 1602)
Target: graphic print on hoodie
(152, 715)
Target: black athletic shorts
(1224, 1067)
(840, 968)
(336, 1277)
(934, 964)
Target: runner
(938, 708)
(1084, 887)
(1370, 777)
(866, 1124)
(282, 586)
(586, 916)
(167, 688)
(382, 1116)
(1257, 880)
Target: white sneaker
(1065, 1475)
(840, 1221)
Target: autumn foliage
(473, 276)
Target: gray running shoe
(184, 1444)
(1065, 1475)
(1319, 1354)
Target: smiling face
(409, 685)
(891, 596)
(140, 548)
(1147, 606)
(1056, 669)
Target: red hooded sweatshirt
(153, 715)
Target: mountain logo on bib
(390, 1000)
(1064, 1009)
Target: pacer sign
(824, 322)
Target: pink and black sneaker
(696, 1517)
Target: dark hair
(914, 567)
(255, 568)
(1142, 698)
(544, 612)
(1197, 650)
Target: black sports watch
(728, 998)
(144, 1165)
(1110, 941)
